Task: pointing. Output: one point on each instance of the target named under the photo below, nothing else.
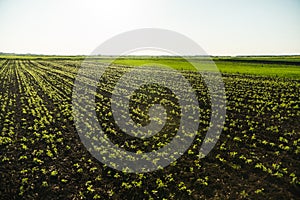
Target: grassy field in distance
(280, 66)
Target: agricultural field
(256, 156)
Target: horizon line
(156, 55)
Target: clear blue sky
(221, 27)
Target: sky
(73, 27)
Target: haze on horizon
(73, 27)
